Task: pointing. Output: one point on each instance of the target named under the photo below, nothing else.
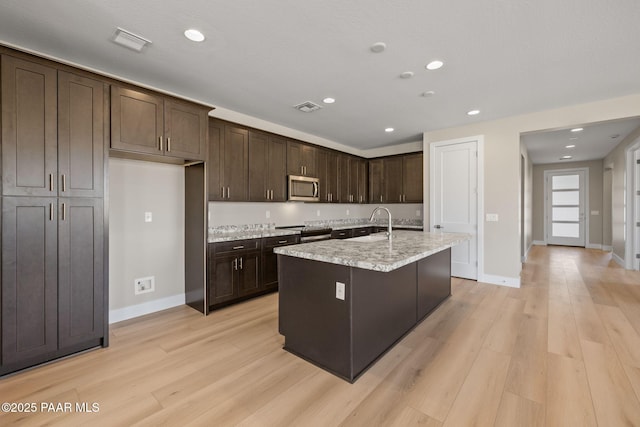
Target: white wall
(526, 175)
(293, 213)
(502, 169)
(140, 249)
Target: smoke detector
(307, 107)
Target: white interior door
(566, 204)
(454, 201)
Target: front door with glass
(566, 202)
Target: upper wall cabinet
(149, 123)
(301, 159)
(267, 167)
(396, 179)
(228, 164)
(54, 127)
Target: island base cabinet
(346, 336)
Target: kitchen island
(344, 303)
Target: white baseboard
(594, 246)
(512, 282)
(120, 314)
(619, 260)
(539, 243)
(526, 254)
(607, 248)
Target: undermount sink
(370, 238)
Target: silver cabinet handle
(235, 264)
(222, 192)
(381, 197)
(64, 211)
(50, 211)
(160, 142)
(282, 241)
(271, 194)
(168, 144)
(50, 182)
(267, 195)
(240, 263)
(238, 247)
(228, 193)
(64, 183)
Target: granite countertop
(228, 236)
(372, 224)
(406, 247)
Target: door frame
(586, 201)
(629, 249)
(479, 140)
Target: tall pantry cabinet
(55, 129)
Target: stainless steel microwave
(304, 189)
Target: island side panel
(316, 324)
(384, 309)
(434, 281)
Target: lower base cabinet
(241, 269)
(53, 284)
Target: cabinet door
(137, 121)
(343, 179)
(362, 181)
(29, 278)
(277, 171)
(80, 270)
(82, 131)
(294, 158)
(258, 166)
(269, 269)
(376, 175)
(322, 160)
(309, 160)
(412, 178)
(185, 130)
(353, 180)
(236, 164)
(249, 274)
(223, 279)
(214, 159)
(393, 180)
(29, 128)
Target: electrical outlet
(148, 217)
(347, 212)
(318, 212)
(340, 290)
(268, 214)
(418, 213)
(144, 285)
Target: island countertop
(406, 247)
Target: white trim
(512, 282)
(594, 246)
(479, 140)
(539, 243)
(120, 314)
(617, 259)
(526, 253)
(548, 172)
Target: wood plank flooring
(563, 350)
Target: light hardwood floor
(563, 350)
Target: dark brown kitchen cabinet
(228, 165)
(356, 179)
(29, 128)
(270, 259)
(267, 167)
(412, 178)
(234, 270)
(344, 188)
(301, 159)
(149, 123)
(376, 183)
(393, 180)
(52, 278)
(363, 181)
(327, 167)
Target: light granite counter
(231, 235)
(406, 247)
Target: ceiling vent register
(307, 107)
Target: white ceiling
(261, 57)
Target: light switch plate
(148, 217)
(595, 212)
(492, 217)
(340, 290)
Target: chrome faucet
(389, 213)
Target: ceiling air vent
(307, 107)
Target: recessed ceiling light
(407, 75)
(565, 157)
(434, 65)
(428, 93)
(577, 130)
(129, 40)
(328, 100)
(570, 146)
(473, 112)
(389, 129)
(378, 47)
(194, 35)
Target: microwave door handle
(315, 189)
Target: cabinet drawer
(364, 231)
(236, 246)
(274, 242)
(342, 234)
